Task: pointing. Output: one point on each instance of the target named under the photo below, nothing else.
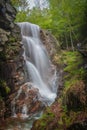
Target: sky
(31, 3)
(39, 3)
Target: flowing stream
(39, 70)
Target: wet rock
(10, 9)
(12, 25)
(50, 42)
(26, 100)
(7, 13)
(10, 52)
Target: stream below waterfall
(41, 81)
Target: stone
(7, 14)
(49, 42)
(28, 95)
(10, 9)
(10, 53)
(8, 17)
(4, 38)
(12, 25)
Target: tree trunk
(66, 41)
(71, 41)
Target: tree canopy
(66, 19)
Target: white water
(40, 72)
(36, 79)
(35, 51)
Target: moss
(73, 69)
(65, 121)
(4, 89)
(7, 89)
(46, 119)
(74, 74)
(12, 39)
(68, 120)
(57, 59)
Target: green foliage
(48, 115)
(7, 89)
(74, 72)
(66, 19)
(12, 39)
(4, 87)
(46, 118)
(72, 60)
(73, 69)
(20, 4)
(65, 120)
(64, 108)
(36, 16)
(72, 63)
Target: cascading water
(37, 61)
(41, 74)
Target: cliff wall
(11, 60)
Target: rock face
(7, 13)
(11, 60)
(50, 42)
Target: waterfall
(37, 60)
(40, 71)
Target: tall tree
(67, 17)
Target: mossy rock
(4, 89)
(75, 97)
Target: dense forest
(65, 19)
(62, 26)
